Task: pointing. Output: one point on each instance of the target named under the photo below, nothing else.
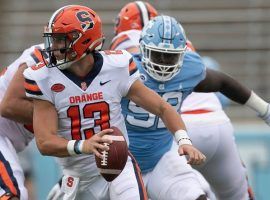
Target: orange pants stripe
(7, 180)
(141, 186)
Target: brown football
(115, 159)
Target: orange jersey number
(89, 110)
(111, 52)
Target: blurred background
(234, 32)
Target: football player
(156, 69)
(206, 121)
(196, 106)
(184, 178)
(129, 23)
(14, 137)
(76, 97)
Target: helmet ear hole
(75, 35)
(73, 54)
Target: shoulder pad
(126, 39)
(38, 72)
(118, 40)
(194, 63)
(193, 70)
(116, 58)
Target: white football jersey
(16, 132)
(30, 56)
(126, 39)
(201, 101)
(85, 107)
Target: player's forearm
(235, 90)
(171, 118)
(175, 125)
(45, 122)
(216, 81)
(52, 145)
(18, 110)
(231, 88)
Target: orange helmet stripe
(144, 12)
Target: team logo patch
(58, 87)
(143, 77)
(103, 83)
(85, 18)
(83, 86)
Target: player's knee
(202, 197)
(124, 189)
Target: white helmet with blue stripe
(163, 44)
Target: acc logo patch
(143, 77)
(58, 87)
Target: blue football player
(173, 72)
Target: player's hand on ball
(97, 143)
(195, 156)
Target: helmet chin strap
(69, 63)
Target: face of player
(60, 44)
(165, 59)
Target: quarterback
(73, 130)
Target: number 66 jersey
(85, 106)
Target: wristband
(78, 146)
(181, 137)
(258, 104)
(74, 147)
(70, 147)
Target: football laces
(104, 161)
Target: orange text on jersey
(86, 98)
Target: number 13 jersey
(85, 106)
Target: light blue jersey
(149, 138)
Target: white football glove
(266, 116)
(56, 192)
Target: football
(115, 159)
